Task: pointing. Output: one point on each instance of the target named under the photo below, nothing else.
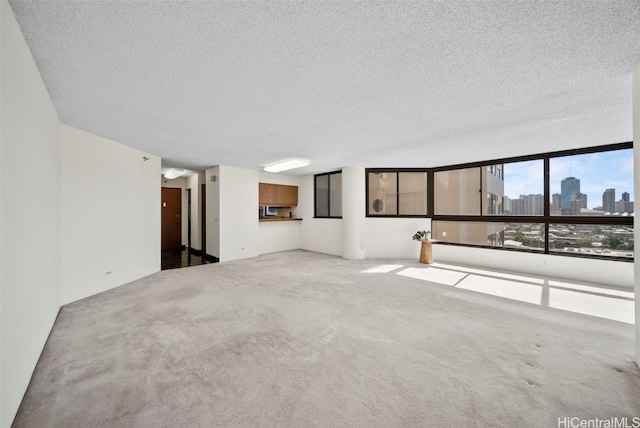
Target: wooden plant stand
(426, 256)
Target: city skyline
(597, 172)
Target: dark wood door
(171, 218)
(203, 218)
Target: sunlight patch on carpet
(492, 273)
(382, 269)
(612, 308)
(593, 289)
(432, 274)
(503, 288)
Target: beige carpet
(301, 339)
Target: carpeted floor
(300, 339)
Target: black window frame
(428, 171)
(546, 219)
(315, 194)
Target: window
(513, 188)
(521, 236)
(592, 184)
(457, 192)
(592, 239)
(573, 202)
(328, 195)
(396, 193)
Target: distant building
(609, 200)
(583, 200)
(528, 205)
(625, 196)
(628, 207)
(569, 189)
(623, 206)
(506, 204)
(578, 203)
(555, 202)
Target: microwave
(269, 212)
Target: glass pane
(382, 193)
(603, 240)
(322, 196)
(457, 192)
(515, 188)
(335, 203)
(529, 236)
(593, 184)
(413, 193)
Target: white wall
(589, 270)
(180, 183)
(277, 236)
(392, 237)
(110, 205)
(636, 167)
(29, 215)
(323, 235)
(193, 183)
(213, 211)
(238, 213)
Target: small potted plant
(422, 235)
(425, 251)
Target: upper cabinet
(277, 195)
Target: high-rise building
(555, 202)
(569, 189)
(624, 205)
(628, 207)
(609, 200)
(577, 203)
(528, 205)
(582, 197)
(506, 204)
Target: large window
(592, 184)
(328, 195)
(396, 193)
(574, 202)
(510, 188)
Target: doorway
(171, 231)
(203, 219)
(174, 254)
(189, 247)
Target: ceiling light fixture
(286, 165)
(174, 173)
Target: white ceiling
(376, 84)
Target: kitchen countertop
(279, 219)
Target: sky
(596, 171)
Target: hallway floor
(173, 259)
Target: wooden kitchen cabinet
(277, 195)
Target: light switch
(164, 205)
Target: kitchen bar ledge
(261, 220)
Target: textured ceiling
(394, 84)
